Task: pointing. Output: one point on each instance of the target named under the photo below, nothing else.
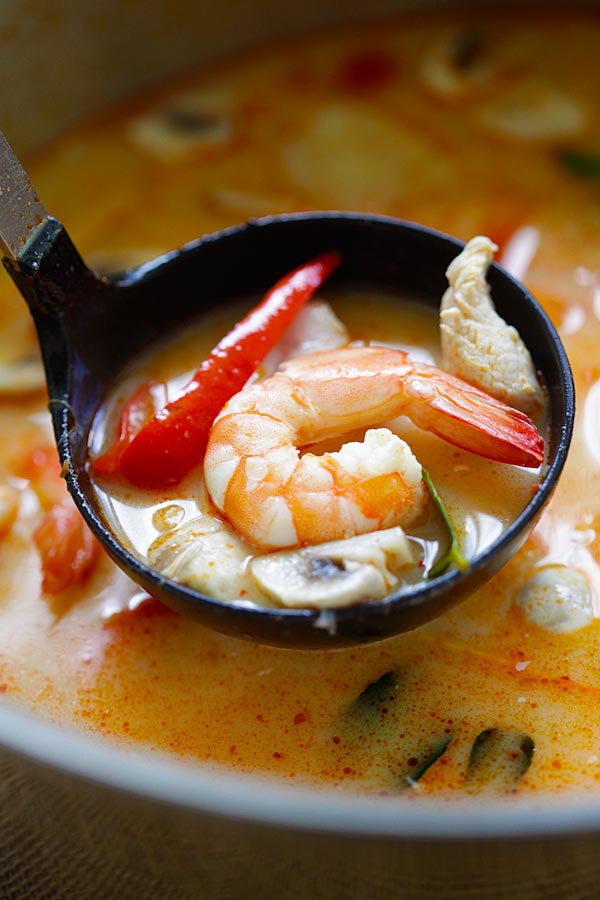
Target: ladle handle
(21, 210)
(36, 249)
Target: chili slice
(173, 441)
(136, 412)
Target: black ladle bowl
(90, 327)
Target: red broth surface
(471, 125)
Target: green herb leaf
(499, 758)
(375, 700)
(426, 757)
(378, 719)
(454, 554)
(584, 165)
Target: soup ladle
(90, 327)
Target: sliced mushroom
(455, 64)
(188, 122)
(338, 573)
(22, 376)
(558, 599)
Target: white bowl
(80, 819)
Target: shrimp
(276, 497)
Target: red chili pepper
(138, 409)
(174, 440)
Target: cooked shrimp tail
(469, 418)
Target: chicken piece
(477, 344)
(207, 556)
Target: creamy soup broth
(470, 123)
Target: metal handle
(21, 210)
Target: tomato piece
(41, 468)
(67, 548)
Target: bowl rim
(214, 791)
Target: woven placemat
(64, 838)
